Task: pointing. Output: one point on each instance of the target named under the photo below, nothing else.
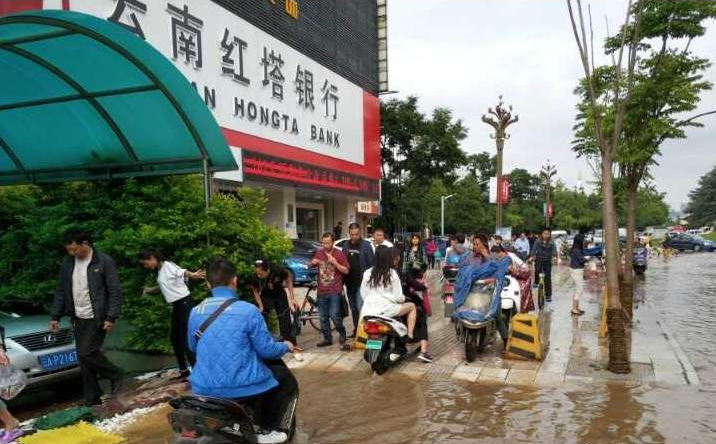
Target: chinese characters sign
(252, 82)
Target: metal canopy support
(207, 182)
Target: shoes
(342, 339)
(549, 299)
(94, 403)
(324, 344)
(426, 357)
(578, 313)
(183, 375)
(272, 437)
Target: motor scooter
(385, 345)
(449, 275)
(208, 420)
(641, 259)
(476, 334)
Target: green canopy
(82, 98)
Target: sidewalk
(575, 355)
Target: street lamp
(499, 118)
(548, 172)
(442, 213)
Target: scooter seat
(232, 407)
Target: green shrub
(126, 216)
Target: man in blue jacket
(233, 352)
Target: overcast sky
(462, 54)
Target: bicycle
(309, 309)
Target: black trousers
(280, 304)
(544, 266)
(89, 337)
(271, 407)
(181, 310)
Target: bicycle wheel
(314, 318)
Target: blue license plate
(55, 361)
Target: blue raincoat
(468, 275)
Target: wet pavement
(675, 325)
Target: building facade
(294, 85)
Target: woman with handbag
(416, 291)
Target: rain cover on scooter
(467, 276)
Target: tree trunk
(618, 349)
(627, 295)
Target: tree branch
(691, 119)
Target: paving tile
(345, 363)
(578, 380)
(523, 365)
(323, 361)
(549, 379)
(466, 373)
(521, 377)
(414, 370)
(495, 374)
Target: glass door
(308, 224)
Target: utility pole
(548, 172)
(499, 118)
(442, 213)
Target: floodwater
(356, 407)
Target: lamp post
(499, 118)
(548, 172)
(442, 213)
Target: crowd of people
(374, 277)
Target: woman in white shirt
(172, 283)
(382, 291)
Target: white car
(340, 242)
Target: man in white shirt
(379, 239)
(89, 292)
(172, 283)
(522, 246)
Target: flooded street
(349, 407)
(355, 406)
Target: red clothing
(330, 280)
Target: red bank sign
(278, 105)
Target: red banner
(505, 190)
(262, 167)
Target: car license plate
(374, 344)
(55, 361)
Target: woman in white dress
(382, 291)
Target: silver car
(44, 356)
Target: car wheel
(697, 248)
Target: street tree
(702, 201)
(607, 131)
(669, 81)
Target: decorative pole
(499, 118)
(548, 172)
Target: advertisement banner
(493, 190)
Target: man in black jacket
(360, 257)
(89, 292)
(543, 251)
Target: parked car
(305, 248)
(301, 268)
(684, 241)
(45, 357)
(708, 245)
(299, 263)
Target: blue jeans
(329, 307)
(355, 302)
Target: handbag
(344, 305)
(427, 307)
